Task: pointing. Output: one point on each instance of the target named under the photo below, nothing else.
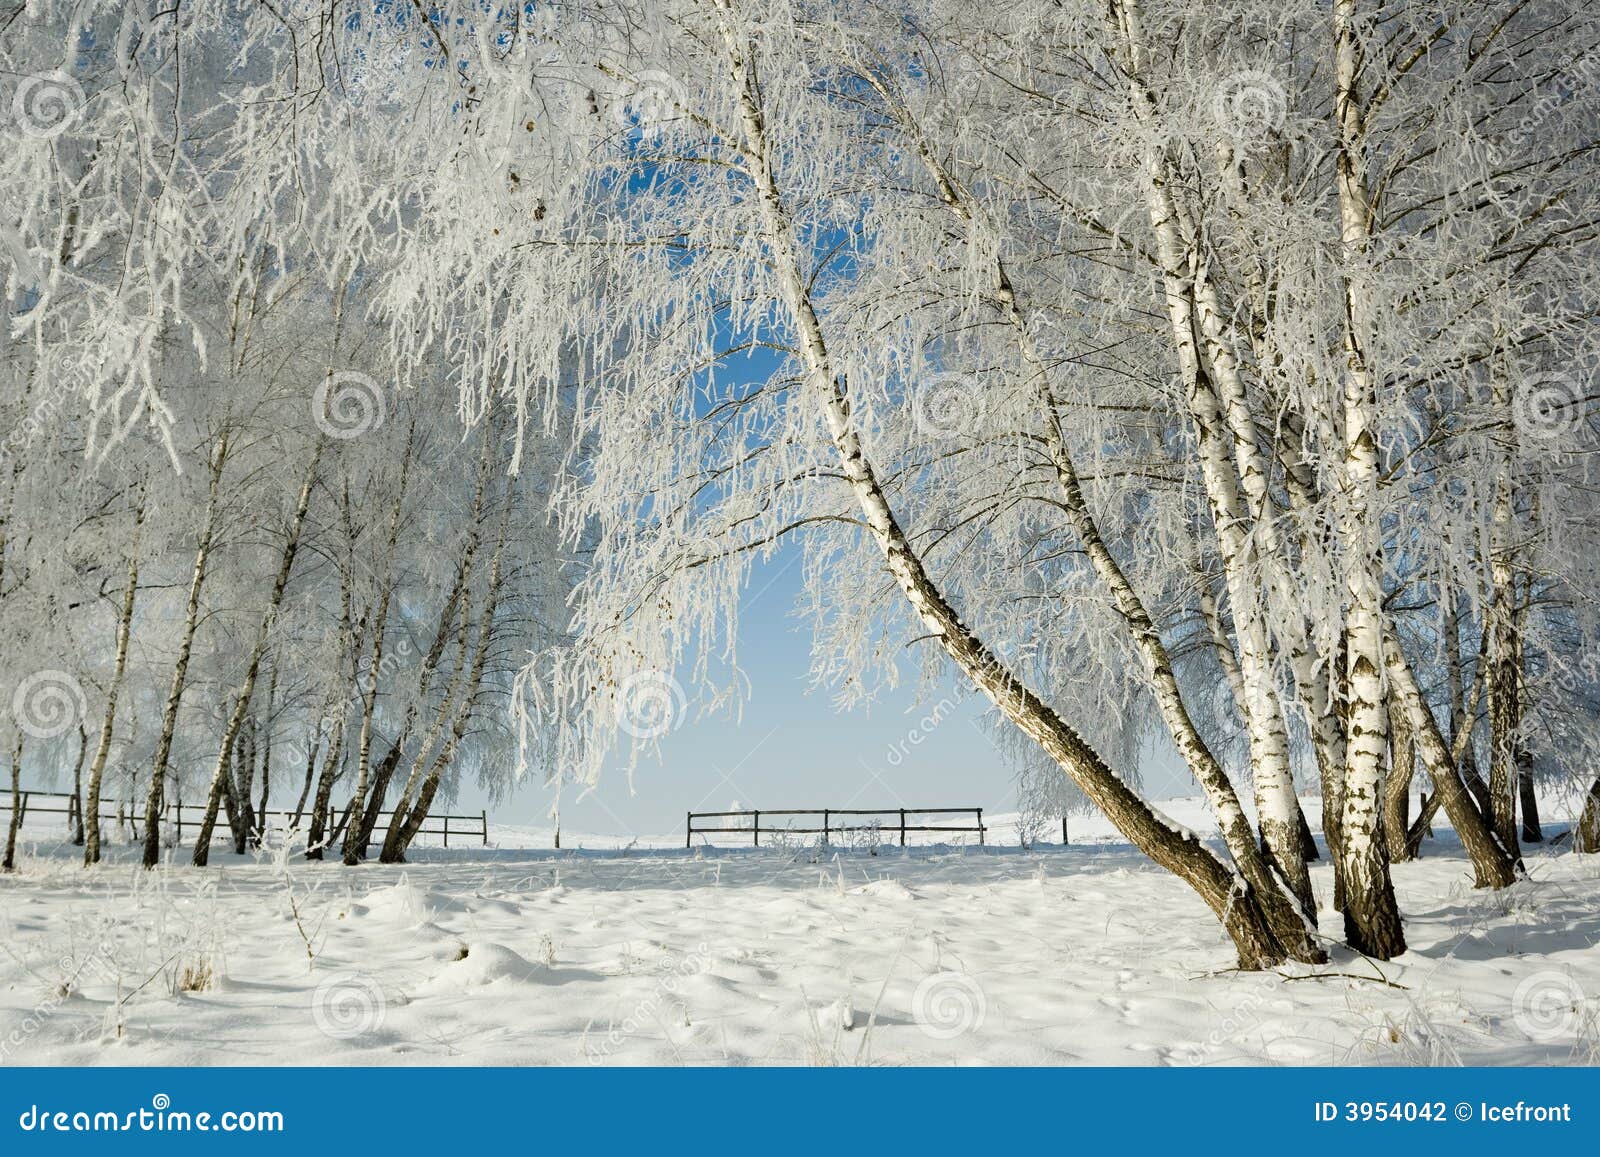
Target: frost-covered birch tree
(1227, 369)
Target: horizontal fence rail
(110, 809)
(182, 815)
(897, 816)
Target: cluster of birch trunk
(1273, 337)
(293, 616)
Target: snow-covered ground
(935, 955)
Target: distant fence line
(899, 815)
(886, 821)
(175, 813)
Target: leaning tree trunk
(354, 847)
(1324, 715)
(1229, 896)
(1461, 719)
(333, 710)
(1420, 827)
(9, 864)
(313, 749)
(384, 774)
(1206, 374)
(1493, 866)
(291, 546)
(1587, 837)
(1228, 660)
(240, 813)
(1527, 792)
(180, 669)
(396, 839)
(323, 835)
(1282, 840)
(108, 724)
(410, 815)
(266, 759)
(1236, 484)
(1397, 787)
(75, 807)
(411, 810)
(1289, 923)
(1321, 697)
(317, 837)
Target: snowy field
(934, 955)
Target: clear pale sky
(790, 749)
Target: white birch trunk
(108, 723)
(354, 848)
(241, 705)
(1227, 894)
(1372, 919)
(1290, 926)
(155, 802)
(1278, 811)
(1500, 625)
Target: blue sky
(790, 749)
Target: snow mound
(480, 964)
(403, 902)
(887, 889)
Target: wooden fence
(897, 816)
(189, 815)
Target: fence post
(22, 811)
(902, 827)
(447, 831)
(484, 818)
(825, 815)
(178, 807)
(688, 829)
(1064, 840)
(980, 827)
(756, 831)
